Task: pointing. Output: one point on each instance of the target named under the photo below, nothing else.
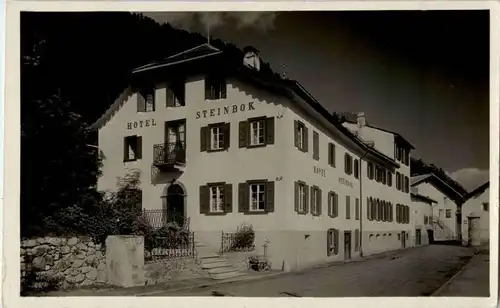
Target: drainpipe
(361, 203)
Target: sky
(423, 74)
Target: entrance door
(430, 234)
(418, 238)
(403, 239)
(347, 245)
(175, 204)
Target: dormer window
(176, 93)
(146, 100)
(215, 87)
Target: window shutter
(368, 208)
(227, 135)
(330, 204)
(141, 102)
(328, 242)
(297, 196)
(223, 88)
(306, 201)
(347, 207)
(170, 97)
(335, 205)
(125, 149)
(356, 239)
(204, 132)
(204, 199)
(320, 201)
(208, 88)
(270, 196)
(243, 197)
(315, 145)
(357, 209)
(243, 134)
(138, 153)
(228, 198)
(306, 139)
(311, 201)
(270, 130)
(336, 234)
(296, 132)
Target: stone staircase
(217, 266)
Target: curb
(441, 288)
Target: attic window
(146, 100)
(215, 87)
(486, 206)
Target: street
(414, 272)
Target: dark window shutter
(328, 242)
(138, 149)
(243, 134)
(297, 196)
(227, 135)
(315, 145)
(330, 152)
(204, 199)
(368, 210)
(270, 130)
(170, 97)
(357, 209)
(270, 196)
(242, 197)
(204, 132)
(228, 198)
(320, 201)
(125, 149)
(336, 234)
(306, 201)
(356, 239)
(330, 204)
(141, 102)
(223, 88)
(306, 139)
(208, 88)
(347, 207)
(296, 132)
(335, 205)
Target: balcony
(169, 156)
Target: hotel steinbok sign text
(141, 124)
(225, 110)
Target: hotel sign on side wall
(141, 124)
(224, 110)
(346, 182)
(320, 171)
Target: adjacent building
(476, 213)
(221, 141)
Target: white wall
(422, 209)
(476, 205)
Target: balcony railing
(172, 153)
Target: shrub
(244, 237)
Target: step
(212, 260)
(228, 275)
(220, 270)
(208, 256)
(211, 265)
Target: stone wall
(174, 269)
(63, 262)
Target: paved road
(415, 272)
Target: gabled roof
(423, 198)
(439, 183)
(476, 192)
(351, 117)
(110, 112)
(291, 87)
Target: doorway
(403, 239)
(430, 235)
(418, 237)
(175, 139)
(347, 245)
(174, 206)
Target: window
(300, 134)
(301, 196)
(347, 207)
(146, 99)
(398, 181)
(384, 176)
(333, 242)
(440, 213)
(256, 132)
(315, 145)
(132, 148)
(486, 206)
(217, 199)
(407, 185)
(331, 154)
(215, 88)
(370, 171)
(333, 207)
(448, 213)
(369, 212)
(356, 169)
(257, 197)
(389, 178)
(315, 201)
(357, 209)
(176, 93)
(348, 164)
(214, 137)
(426, 219)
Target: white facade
(292, 161)
(477, 206)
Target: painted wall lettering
(346, 182)
(141, 124)
(224, 110)
(320, 171)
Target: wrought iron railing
(158, 218)
(230, 242)
(169, 153)
(175, 245)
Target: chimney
(360, 119)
